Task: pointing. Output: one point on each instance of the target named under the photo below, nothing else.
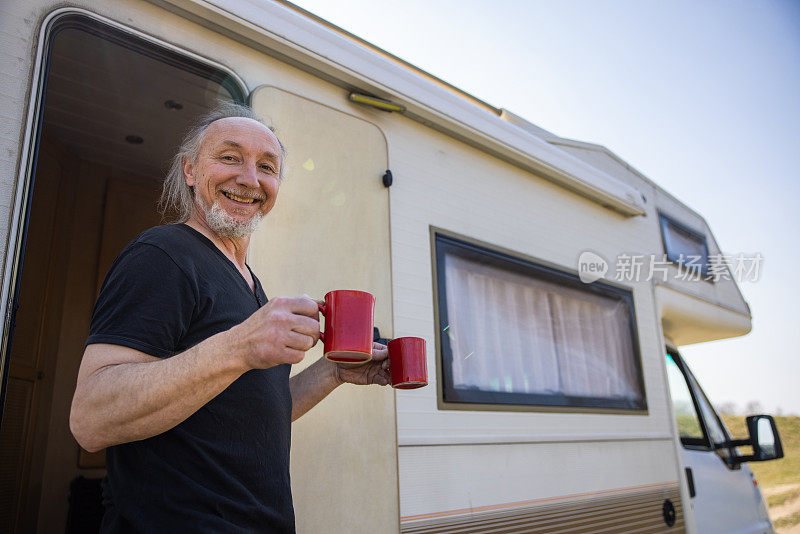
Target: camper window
(513, 332)
(684, 246)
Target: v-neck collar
(210, 244)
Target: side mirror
(764, 439)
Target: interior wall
(113, 207)
(82, 216)
(81, 271)
(32, 362)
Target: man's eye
(267, 168)
(228, 158)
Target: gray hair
(177, 197)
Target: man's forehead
(234, 130)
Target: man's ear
(188, 172)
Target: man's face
(236, 175)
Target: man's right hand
(279, 332)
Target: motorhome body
(96, 94)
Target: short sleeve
(146, 302)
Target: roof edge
(337, 56)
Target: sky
(703, 97)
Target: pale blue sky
(702, 97)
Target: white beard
(225, 225)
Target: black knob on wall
(668, 511)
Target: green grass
(781, 498)
(788, 521)
(688, 427)
(776, 473)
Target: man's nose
(249, 176)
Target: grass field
(779, 479)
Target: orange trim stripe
(519, 504)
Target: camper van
(550, 279)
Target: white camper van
(557, 398)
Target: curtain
(514, 333)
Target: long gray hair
(177, 198)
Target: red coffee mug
(407, 366)
(348, 325)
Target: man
(185, 375)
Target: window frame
(452, 398)
(664, 221)
(150, 47)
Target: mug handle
(389, 367)
(322, 310)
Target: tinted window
(684, 246)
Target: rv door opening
(114, 106)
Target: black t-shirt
(226, 467)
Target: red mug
(407, 366)
(348, 325)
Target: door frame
(29, 150)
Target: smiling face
(235, 176)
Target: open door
(330, 230)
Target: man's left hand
(374, 371)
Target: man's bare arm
(319, 379)
(125, 395)
(311, 385)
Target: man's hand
(371, 372)
(279, 332)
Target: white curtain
(512, 333)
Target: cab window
(689, 427)
(699, 426)
(714, 426)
